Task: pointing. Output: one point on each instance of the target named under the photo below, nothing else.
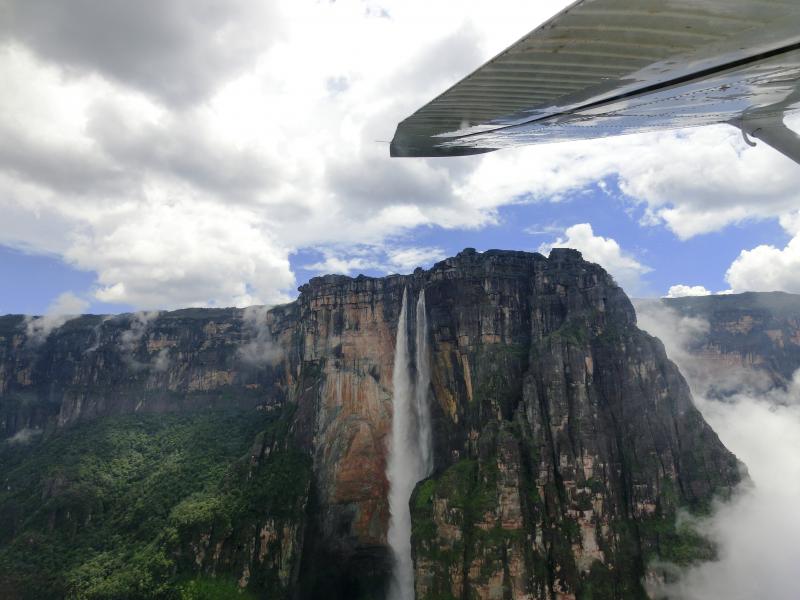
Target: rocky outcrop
(564, 439)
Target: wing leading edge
(612, 67)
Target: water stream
(410, 449)
(424, 430)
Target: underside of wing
(611, 67)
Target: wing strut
(771, 130)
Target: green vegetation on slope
(102, 510)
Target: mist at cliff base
(757, 531)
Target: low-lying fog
(758, 531)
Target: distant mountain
(751, 342)
(194, 453)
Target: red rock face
(349, 332)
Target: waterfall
(400, 467)
(424, 430)
(410, 454)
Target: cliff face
(750, 341)
(564, 440)
(570, 439)
(98, 366)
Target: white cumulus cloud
(604, 251)
(389, 258)
(768, 268)
(681, 290)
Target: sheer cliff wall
(564, 439)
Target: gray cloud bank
(175, 50)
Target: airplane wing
(612, 67)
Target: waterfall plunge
(410, 449)
(423, 409)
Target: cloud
(387, 259)
(342, 264)
(138, 323)
(130, 339)
(767, 268)
(261, 349)
(682, 335)
(693, 182)
(706, 179)
(181, 148)
(161, 362)
(162, 257)
(755, 532)
(791, 222)
(176, 50)
(182, 154)
(176, 203)
(406, 259)
(60, 166)
(604, 251)
(681, 291)
(24, 436)
(367, 186)
(679, 334)
(65, 307)
(543, 229)
(130, 343)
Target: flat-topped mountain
(746, 342)
(203, 451)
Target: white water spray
(410, 454)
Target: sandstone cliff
(742, 342)
(565, 441)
